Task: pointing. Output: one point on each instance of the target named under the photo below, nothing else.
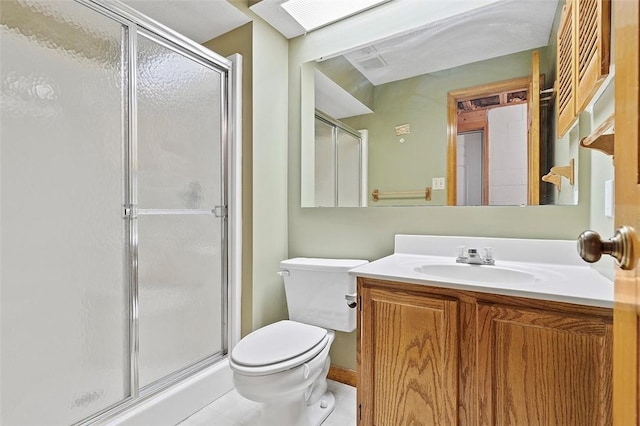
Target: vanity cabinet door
(545, 368)
(408, 358)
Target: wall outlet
(437, 183)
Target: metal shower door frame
(133, 23)
(338, 125)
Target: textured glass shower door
(349, 171)
(337, 164)
(180, 221)
(325, 165)
(113, 217)
(65, 320)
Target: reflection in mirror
(340, 166)
(493, 132)
(399, 91)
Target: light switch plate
(437, 183)
(609, 187)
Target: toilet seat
(278, 347)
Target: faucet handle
(487, 255)
(462, 254)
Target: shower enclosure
(339, 164)
(115, 163)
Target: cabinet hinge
(360, 303)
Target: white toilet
(284, 365)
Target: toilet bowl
(284, 365)
(291, 383)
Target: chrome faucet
(472, 257)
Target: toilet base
(297, 413)
(319, 411)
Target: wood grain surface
(434, 356)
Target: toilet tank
(316, 289)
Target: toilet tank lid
(322, 264)
(277, 342)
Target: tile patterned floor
(233, 410)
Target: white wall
(508, 153)
(469, 163)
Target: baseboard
(342, 375)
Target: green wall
(368, 233)
(240, 41)
(340, 70)
(264, 161)
(281, 228)
(409, 162)
(270, 175)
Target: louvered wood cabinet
(435, 356)
(565, 67)
(583, 56)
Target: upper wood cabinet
(583, 56)
(566, 81)
(593, 19)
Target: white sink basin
(475, 273)
(534, 268)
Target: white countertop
(560, 274)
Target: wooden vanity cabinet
(408, 365)
(434, 356)
(543, 367)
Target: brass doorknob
(621, 247)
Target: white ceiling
(452, 33)
(200, 20)
(334, 100)
(278, 18)
(462, 32)
(491, 31)
(272, 12)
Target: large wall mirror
(460, 111)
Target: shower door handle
(220, 211)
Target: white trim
(313, 14)
(235, 200)
(364, 168)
